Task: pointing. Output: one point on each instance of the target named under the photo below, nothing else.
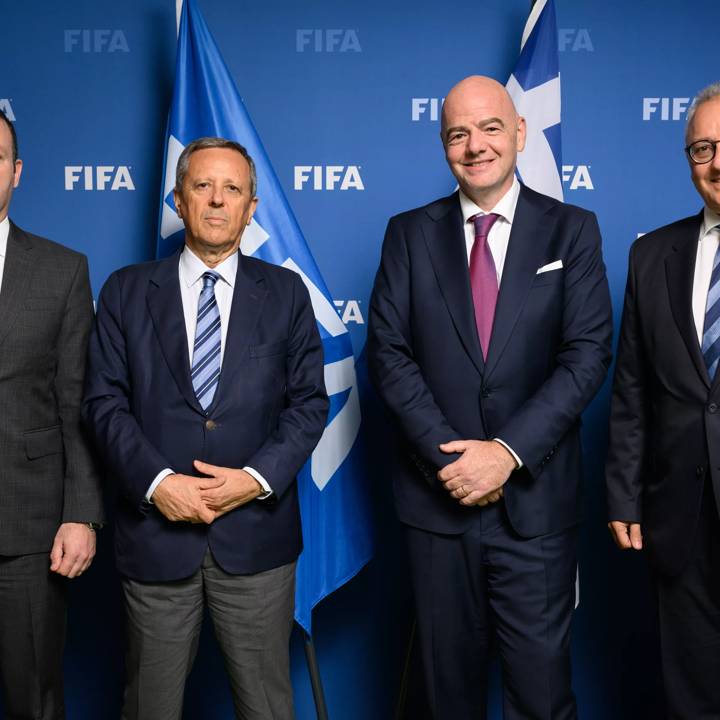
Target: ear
(18, 173)
(177, 197)
(521, 134)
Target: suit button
(699, 470)
(484, 392)
(712, 408)
(210, 424)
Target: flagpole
(315, 679)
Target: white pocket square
(557, 265)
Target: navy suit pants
(490, 587)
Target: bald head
(476, 90)
(482, 134)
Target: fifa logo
(95, 41)
(98, 177)
(349, 311)
(334, 40)
(665, 108)
(426, 109)
(574, 40)
(578, 177)
(328, 176)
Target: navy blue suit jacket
(268, 412)
(664, 418)
(549, 353)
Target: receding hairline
(707, 94)
(484, 85)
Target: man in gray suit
(50, 498)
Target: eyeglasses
(702, 151)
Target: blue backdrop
(356, 86)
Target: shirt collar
(711, 219)
(4, 232)
(505, 207)
(193, 267)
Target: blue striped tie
(206, 351)
(711, 328)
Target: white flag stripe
(325, 312)
(340, 433)
(537, 8)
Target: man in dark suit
(206, 396)
(663, 469)
(50, 496)
(490, 330)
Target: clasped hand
(204, 499)
(478, 475)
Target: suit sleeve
(628, 414)
(302, 420)
(582, 357)
(106, 406)
(393, 368)
(82, 501)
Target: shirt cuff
(268, 491)
(158, 479)
(510, 450)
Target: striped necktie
(483, 279)
(206, 351)
(711, 327)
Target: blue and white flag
(334, 498)
(534, 87)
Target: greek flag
(334, 500)
(535, 89)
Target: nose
(216, 196)
(476, 142)
(715, 162)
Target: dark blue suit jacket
(268, 413)
(549, 353)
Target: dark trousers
(689, 613)
(32, 638)
(490, 583)
(252, 615)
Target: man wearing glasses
(663, 468)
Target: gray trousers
(32, 637)
(252, 616)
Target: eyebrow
(480, 125)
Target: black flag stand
(315, 679)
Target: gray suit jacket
(47, 474)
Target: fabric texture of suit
(665, 418)
(663, 466)
(548, 355)
(48, 476)
(268, 413)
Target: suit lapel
(530, 234)
(165, 306)
(445, 239)
(249, 296)
(680, 272)
(16, 278)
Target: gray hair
(205, 143)
(708, 93)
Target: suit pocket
(43, 442)
(551, 277)
(268, 349)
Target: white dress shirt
(498, 239)
(4, 232)
(190, 271)
(707, 245)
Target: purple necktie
(483, 279)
